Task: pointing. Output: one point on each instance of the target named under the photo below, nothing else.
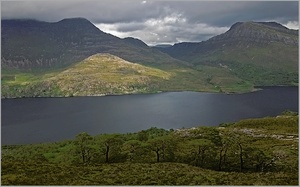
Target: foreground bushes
(134, 174)
(251, 152)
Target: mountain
(39, 57)
(163, 45)
(31, 44)
(264, 53)
(240, 35)
(135, 42)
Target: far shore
(257, 88)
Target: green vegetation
(257, 53)
(250, 152)
(97, 75)
(62, 59)
(258, 65)
(105, 74)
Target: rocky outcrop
(257, 32)
(259, 35)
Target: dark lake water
(35, 120)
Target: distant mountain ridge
(163, 45)
(258, 33)
(135, 42)
(249, 54)
(255, 51)
(28, 44)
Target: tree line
(206, 147)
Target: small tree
(83, 144)
(110, 145)
(238, 142)
(164, 147)
(259, 160)
(224, 148)
(198, 149)
(132, 148)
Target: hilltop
(105, 74)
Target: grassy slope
(96, 75)
(103, 74)
(272, 65)
(253, 52)
(107, 74)
(57, 163)
(134, 174)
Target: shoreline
(255, 89)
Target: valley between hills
(74, 58)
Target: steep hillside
(31, 44)
(264, 53)
(135, 42)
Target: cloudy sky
(158, 22)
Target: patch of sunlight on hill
(105, 73)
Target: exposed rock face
(258, 32)
(241, 35)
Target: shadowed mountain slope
(265, 53)
(31, 44)
(249, 54)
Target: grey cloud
(226, 13)
(104, 11)
(129, 27)
(157, 21)
(173, 28)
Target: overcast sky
(158, 22)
